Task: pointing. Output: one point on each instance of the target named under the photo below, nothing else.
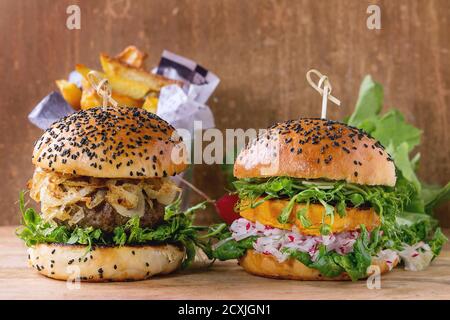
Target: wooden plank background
(261, 51)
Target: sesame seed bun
(111, 143)
(268, 266)
(316, 149)
(104, 263)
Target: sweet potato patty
(268, 212)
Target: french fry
(83, 70)
(70, 92)
(151, 103)
(127, 101)
(132, 82)
(89, 98)
(132, 56)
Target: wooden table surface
(260, 49)
(224, 280)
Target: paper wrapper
(52, 108)
(181, 107)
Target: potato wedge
(70, 92)
(127, 101)
(89, 99)
(83, 70)
(132, 56)
(151, 103)
(132, 82)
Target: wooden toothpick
(102, 88)
(324, 91)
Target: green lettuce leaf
(368, 106)
(233, 249)
(391, 128)
(433, 196)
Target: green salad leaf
(433, 196)
(233, 249)
(368, 106)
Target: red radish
(225, 208)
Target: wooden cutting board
(224, 280)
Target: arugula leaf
(301, 215)
(405, 165)
(326, 264)
(286, 212)
(433, 196)
(436, 243)
(391, 128)
(368, 106)
(233, 249)
(356, 199)
(303, 257)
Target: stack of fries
(131, 84)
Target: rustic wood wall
(260, 49)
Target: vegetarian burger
(109, 211)
(317, 201)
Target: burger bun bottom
(104, 263)
(268, 266)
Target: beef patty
(106, 218)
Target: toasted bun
(111, 143)
(126, 263)
(267, 266)
(316, 149)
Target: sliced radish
(225, 208)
